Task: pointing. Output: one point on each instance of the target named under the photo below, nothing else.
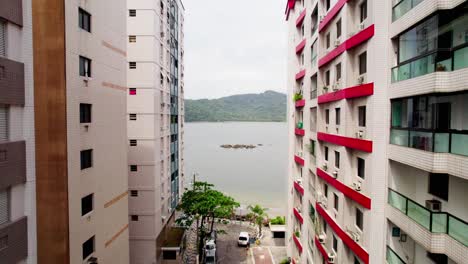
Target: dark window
(134, 193)
(326, 153)
(312, 147)
(328, 40)
(363, 11)
(133, 168)
(335, 244)
(439, 185)
(134, 217)
(356, 261)
(327, 78)
(327, 4)
(363, 63)
(337, 159)
(169, 254)
(338, 116)
(361, 167)
(132, 91)
(86, 158)
(362, 116)
(85, 113)
(162, 8)
(325, 190)
(132, 39)
(132, 65)
(442, 115)
(132, 12)
(88, 247)
(327, 116)
(336, 201)
(438, 258)
(84, 20)
(338, 28)
(133, 117)
(359, 219)
(85, 67)
(133, 142)
(86, 204)
(338, 71)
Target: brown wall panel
(16, 234)
(12, 163)
(11, 82)
(12, 10)
(51, 131)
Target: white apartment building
(155, 125)
(63, 151)
(378, 131)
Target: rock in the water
(238, 146)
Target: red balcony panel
(300, 46)
(300, 75)
(301, 17)
(298, 188)
(298, 243)
(353, 143)
(346, 190)
(321, 250)
(298, 216)
(299, 160)
(347, 240)
(289, 5)
(299, 132)
(300, 103)
(331, 14)
(348, 93)
(350, 43)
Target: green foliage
(279, 220)
(297, 97)
(297, 234)
(258, 215)
(267, 106)
(285, 261)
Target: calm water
(250, 176)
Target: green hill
(267, 106)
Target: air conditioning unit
(357, 186)
(299, 180)
(299, 154)
(360, 79)
(322, 238)
(337, 42)
(324, 201)
(434, 205)
(331, 258)
(335, 174)
(355, 236)
(361, 26)
(325, 166)
(92, 260)
(360, 134)
(336, 86)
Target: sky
(234, 47)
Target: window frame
(359, 219)
(337, 159)
(362, 58)
(362, 116)
(338, 28)
(363, 15)
(85, 161)
(84, 15)
(83, 61)
(86, 113)
(338, 116)
(358, 167)
(93, 244)
(90, 206)
(441, 194)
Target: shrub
(279, 220)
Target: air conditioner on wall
(361, 79)
(337, 42)
(434, 205)
(322, 238)
(321, 18)
(360, 134)
(331, 258)
(325, 166)
(357, 186)
(361, 26)
(299, 180)
(335, 174)
(336, 86)
(355, 237)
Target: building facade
(63, 151)
(155, 123)
(378, 136)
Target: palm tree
(259, 215)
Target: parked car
(210, 255)
(243, 239)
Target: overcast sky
(234, 47)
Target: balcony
(299, 160)
(347, 240)
(300, 75)
(300, 46)
(321, 249)
(12, 163)
(331, 14)
(298, 187)
(11, 81)
(298, 215)
(348, 93)
(353, 143)
(346, 190)
(296, 237)
(299, 130)
(403, 7)
(301, 17)
(16, 248)
(300, 103)
(435, 222)
(392, 257)
(12, 10)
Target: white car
(243, 239)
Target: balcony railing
(392, 257)
(403, 7)
(439, 61)
(451, 141)
(435, 222)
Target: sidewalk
(261, 255)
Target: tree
(204, 204)
(258, 214)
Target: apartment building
(378, 131)
(155, 126)
(63, 151)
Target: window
(327, 4)
(326, 153)
(86, 159)
(133, 117)
(132, 39)
(162, 8)
(87, 204)
(361, 167)
(312, 147)
(134, 193)
(325, 190)
(439, 185)
(362, 116)
(338, 116)
(85, 67)
(327, 116)
(132, 65)
(133, 168)
(359, 219)
(327, 78)
(314, 53)
(4, 123)
(363, 63)
(335, 244)
(356, 261)
(302, 30)
(337, 159)
(132, 91)
(134, 217)
(328, 40)
(4, 206)
(84, 20)
(338, 72)
(88, 248)
(437, 258)
(363, 11)
(85, 113)
(132, 12)
(338, 28)
(335, 201)
(133, 142)
(3, 39)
